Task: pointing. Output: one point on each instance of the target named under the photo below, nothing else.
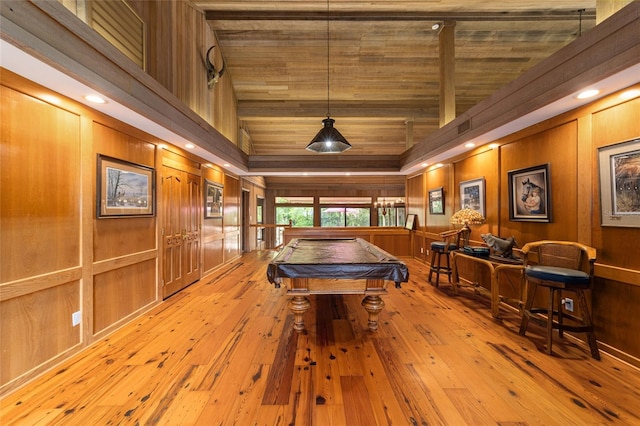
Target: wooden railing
(272, 226)
(395, 240)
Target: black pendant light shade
(328, 140)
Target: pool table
(335, 266)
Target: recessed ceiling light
(424, 164)
(96, 99)
(588, 94)
(347, 174)
(226, 165)
(189, 146)
(630, 94)
(469, 145)
(493, 145)
(438, 165)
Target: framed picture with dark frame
(410, 222)
(472, 195)
(436, 201)
(212, 199)
(619, 169)
(124, 189)
(530, 194)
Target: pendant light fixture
(328, 140)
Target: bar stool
(561, 266)
(450, 241)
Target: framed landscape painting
(123, 189)
(619, 166)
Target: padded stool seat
(559, 275)
(558, 279)
(441, 246)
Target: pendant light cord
(328, 84)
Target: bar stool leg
(559, 304)
(433, 260)
(526, 311)
(586, 316)
(448, 266)
(550, 320)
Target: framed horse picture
(530, 194)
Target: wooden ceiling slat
(383, 64)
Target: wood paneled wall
(212, 231)
(254, 187)
(41, 226)
(178, 63)
(231, 218)
(57, 257)
(568, 143)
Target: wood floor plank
(357, 405)
(223, 352)
(472, 409)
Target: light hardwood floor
(222, 352)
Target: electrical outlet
(568, 304)
(421, 250)
(427, 252)
(76, 317)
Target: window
(298, 216)
(345, 216)
(345, 211)
(292, 210)
(391, 212)
(259, 210)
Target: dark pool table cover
(349, 258)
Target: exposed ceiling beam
(259, 164)
(248, 110)
(370, 16)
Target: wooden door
(192, 210)
(180, 230)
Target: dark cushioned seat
(559, 275)
(441, 245)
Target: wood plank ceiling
(383, 67)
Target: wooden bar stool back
(450, 242)
(562, 266)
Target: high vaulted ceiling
(383, 68)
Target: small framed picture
(619, 166)
(530, 194)
(410, 222)
(436, 201)
(472, 195)
(212, 199)
(123, 189)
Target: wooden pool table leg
(298, 305)
(373, 305)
